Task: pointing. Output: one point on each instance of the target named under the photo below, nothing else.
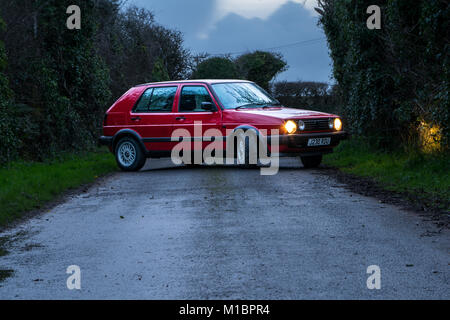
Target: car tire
(129, 155)
(243, 151)
(311, 161)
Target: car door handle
(180, 118)
(136, 119)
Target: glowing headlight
(290, 126)
(301, 125)
(337, 124)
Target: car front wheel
(129, 155)
(311, 161)
(244, 158)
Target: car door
(191, 111)
(152, 117)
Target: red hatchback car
(141, 123)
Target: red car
(140, 124)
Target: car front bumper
(300, 141)
(297, 144)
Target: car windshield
(242, 95)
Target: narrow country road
(225, 233)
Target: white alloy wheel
(241, 150)
(126, 154)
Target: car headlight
(290, 126)
(331, 124)
(301, 125)
(337, 124)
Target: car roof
(206, 81)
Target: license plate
(319, 142)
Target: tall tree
(216, 68)
(63, 79)
(261, 67)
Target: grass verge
(25, 186)
(424, 178)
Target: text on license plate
(319, 142)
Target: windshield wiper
(270, 105)
(264, 105)
(247, 106)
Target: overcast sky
(232, 26)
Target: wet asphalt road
(225, 233)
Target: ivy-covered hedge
(8, 137)
(394, 80)
(56, 83)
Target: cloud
(290, 23)
(249, 25)
(249, 9)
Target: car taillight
(105, 119)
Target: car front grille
(316, 124)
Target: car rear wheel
(129, 155)
(311, 161)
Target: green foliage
(159, 72)
(421, 177)
(137, 49)
(216, 68)
(260, 67)
(28, 185)
(8, 136)
(61, 85)
(306, 95)
(62, 81)
(391, 79)
(76, 80)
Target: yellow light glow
(337, 124)
(290, 126)
(430, 137)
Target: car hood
(286, 113)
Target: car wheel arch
(128, 133)
(246, 128)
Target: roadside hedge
(319, 96)
(393, 82)
(56, 83)
(8, 137)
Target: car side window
(192, 98)
(144, 101)
(158, 99)
(162, 99)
